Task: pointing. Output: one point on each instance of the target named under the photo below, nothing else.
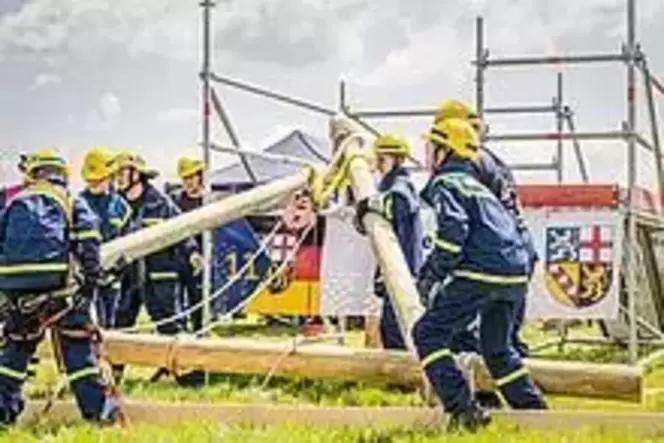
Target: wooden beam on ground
(369, 366)
(160, 413)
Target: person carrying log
(49, 274)
(155, 279)
(493, 173)
(479, 266)
(114, 216)
(190, 197)
(398, 200)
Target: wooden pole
(400, 284)
(641, 423)
(155, 238)
(370, 366)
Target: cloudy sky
(125, 73)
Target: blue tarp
(235, 244)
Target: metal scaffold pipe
(552, 60)
(232, 133)
(206, 284)
(631, 255)
(560, 120)
(273, 95)
(534, 166)
(424, 112)
(543, 136)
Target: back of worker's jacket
(39, 229)
(186, 204)
(476, 237)
(113, 211)
(402, 207)
(153, 208)
(496, 175)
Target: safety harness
(49, 308)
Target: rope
(297, 341)
(171, 361)
(218, 293)
(262, 287)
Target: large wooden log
(370, 366)
(641, 423)
(400, 284)
(189, 224)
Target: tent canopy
(297, 143)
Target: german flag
(296, 290)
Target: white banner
(347, 268)
(577, 276)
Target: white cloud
(178, 115)
(45, 79)
(104, 116)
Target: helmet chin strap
(131, 183)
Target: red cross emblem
(595, 245)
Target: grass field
(251, 389)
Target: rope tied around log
(171, 355)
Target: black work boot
(470, 420)
(488, 400)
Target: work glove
(197, 262)
(380, 289)
(375, 204)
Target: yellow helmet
(454, 109)
(44, 157)
(98, 164)
(392, 144)
(188, 166)
(457, 135)
(128, 159)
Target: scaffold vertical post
(207, 6)
(631, 242)
(343, 105)
(560, 120)
(654, 129)
(480, 64)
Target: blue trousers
(452, 311)
(390, 334)
(191, 294)
(78, 356)
(106, 304)
(468, 339)
(161, 300)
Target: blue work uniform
(191, 284)
(480, 258)
(50, 200)
(114, 216)
(493, 173)
(154, 280)
(402, 210)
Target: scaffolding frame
(631, 55)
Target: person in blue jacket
(114, 216)
(40, 229)
(497, 176)
(479, 266)
(190, 197)
(155, 279)
(399, 201)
